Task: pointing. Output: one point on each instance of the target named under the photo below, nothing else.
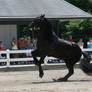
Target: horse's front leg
(38, 63)
(34, 55)
(41, 73)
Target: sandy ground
(29, 81)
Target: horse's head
(42, 26)
(36, 24)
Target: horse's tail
(85, 64)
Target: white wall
(7, 32)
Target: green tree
(85, 5)
(80, 29)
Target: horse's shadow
(46, 82)
(43, 82)
(79, 80)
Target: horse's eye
(31, 29)
(34, 28)
(38, 28)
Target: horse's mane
(48, 24)
(48, 30)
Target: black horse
(48, 44)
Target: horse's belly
(64, 53)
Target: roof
(29, 9)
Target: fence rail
(7, 59)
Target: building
(14, 13)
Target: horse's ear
(42, 16)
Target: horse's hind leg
(70, 72)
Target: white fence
(7, 59)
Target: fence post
(8, 58)
(46, 60)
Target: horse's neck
(45, 34)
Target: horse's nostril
(31, 29)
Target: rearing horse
(48, 44)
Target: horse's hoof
(41, 75)
(60, 80)
(55, 80)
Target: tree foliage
(85, 5)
